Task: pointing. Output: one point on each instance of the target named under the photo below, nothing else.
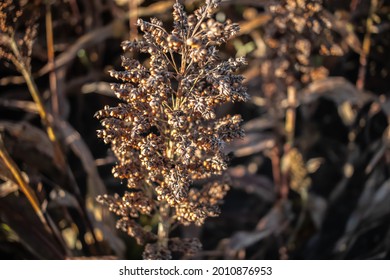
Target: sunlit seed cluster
(165, 133)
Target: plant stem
(164, 225)
(33, 89)
(50, 57)
(290, 115)
(45, 219)
(360, 83)
(25, 188)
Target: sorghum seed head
(166, 134)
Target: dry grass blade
(24, 69)
(26, 106)
(241, 240)
(274, 222)
(360, 83)
(253, 184)
(74, 140)
(25, 188)
(31, 145)
(249, 26)
(337, 89)
(252, 143)
(95, 186)
(7, 187)
(50, 55)
(32, 234)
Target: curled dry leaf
(336, 89)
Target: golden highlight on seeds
(165, 133)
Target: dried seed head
(297, 31)
(17, 32)
(166, 134)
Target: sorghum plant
(299, 32)
(166, 135)
(17, 47)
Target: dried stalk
(290, 115)
(24, 186)
(33, 89)
(360, 83)
(50, 57)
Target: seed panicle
(166, 134)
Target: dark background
(341, 139)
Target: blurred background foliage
(309, 181)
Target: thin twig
(50, 58)
(133, 16)
(290, 114)
(45, 219)
(276, 173)
(360, 83)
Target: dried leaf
(254, 184)
(7, 188)
(244, 239)
(95, 187)
(317, 207)
(337, 89)
(17, 213)
(252, 143)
